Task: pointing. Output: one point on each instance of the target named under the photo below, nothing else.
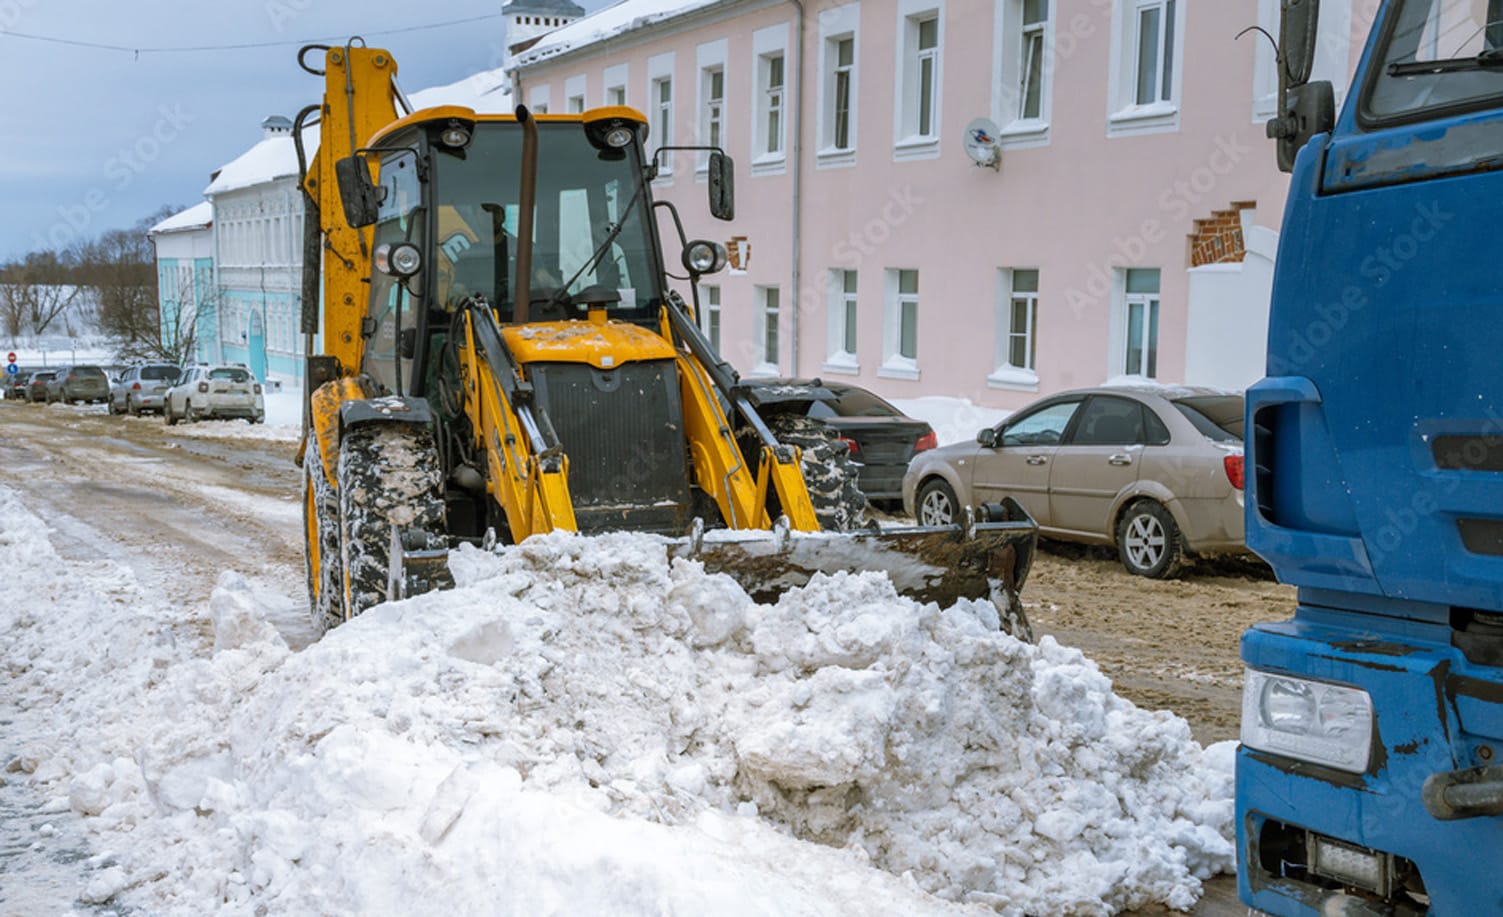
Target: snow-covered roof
(199, 216)
(614, 20)
(487, 92)
(273, 158)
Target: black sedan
(881, 438)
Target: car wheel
(131, 409)
(937, 504)
(167, 414)
(1148, 542)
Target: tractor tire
(321, 553)
(389, 475)
(1148, 542)
(831, 476)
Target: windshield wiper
(561, 295)
(1490, 59)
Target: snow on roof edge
(613, 21)
(199, 216)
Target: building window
(1140, 355)
(614, 79)
(1017, 330)
(662, 119)
(709, 319)
(840, 107)
(900, 331)
(712, 119)
(1146, 52)
(768, 317)
(842, 322)
(770, 137)
(918, 115)
(1154, 68)
(839, 42)
(576, 104)
(616, 95)
(1031, 59)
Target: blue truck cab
(1370, 773)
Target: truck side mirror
(1299, 21)
(357, 191)
(722, 186)
(1309, 109)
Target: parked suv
(142, 388)
(36, 389)
(1155, 471)
(213, 391)
(18, 386)
(79, 383)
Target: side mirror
(722, 186)
(357, 191)
(1299, 21)
(987, 437)
(1309, 109)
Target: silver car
(142, 388)
(213, 392)
(1155, 471)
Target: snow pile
(583, 726)
(955, 420)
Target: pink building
(1125, 224)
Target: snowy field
(583, 727)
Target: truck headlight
(1312, 721)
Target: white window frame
(767, 363)
(1125, 115)
(660, 114)
(1333, 49)
(538, 98)
(1120, 324)
(710, 319)
(575, 88)
(710, 59)
(1005, 375)
(894, 364)
(843, 310)
(1009, 64)
(614, 80)
(908, 141)
(842, 23)
(769, 154)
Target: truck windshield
(583, 196)
(1437, 56)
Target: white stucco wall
(1226, 333)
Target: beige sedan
(1155, 471)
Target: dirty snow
(583, 727)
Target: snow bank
(955, 420)
(583, 726)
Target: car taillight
(203, 387)
(256, 388)
(928, 441)
(850, 444)
(135, 387)
(1233, 466)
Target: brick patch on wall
(1218, 239)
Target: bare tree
(35, 292)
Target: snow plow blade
(942, 564)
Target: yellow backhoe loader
(501, 356)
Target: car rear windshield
(233, 375)
(87, 371)
(1218, 417)
(160, 373)
(43, 377)
(857, 402)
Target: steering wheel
(553, 307)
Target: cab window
(1436, 57)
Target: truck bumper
(1315, 840)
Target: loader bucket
(942, 564)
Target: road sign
(10, 358)
(12, 368)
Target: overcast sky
(96, 139)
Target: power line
(101, 46)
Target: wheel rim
(1145, 541)
(936, 509)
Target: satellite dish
(981, 143)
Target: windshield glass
(855, 402)
(232, 375)
(160, 373)
(582, 195)
(1437, 55)
(1217, 417)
